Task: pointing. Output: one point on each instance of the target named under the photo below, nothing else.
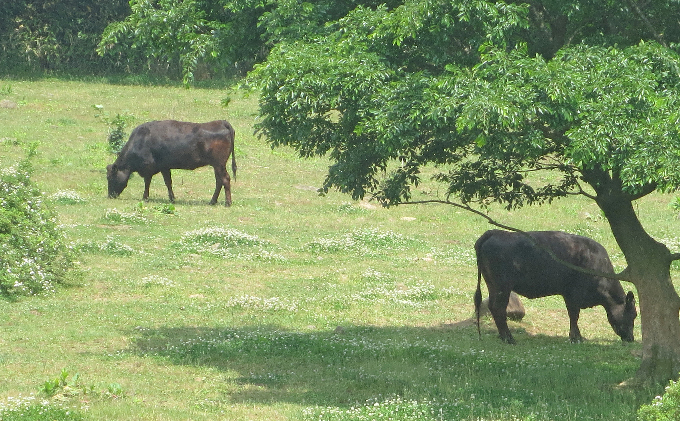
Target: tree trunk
(649, 270)
(660, 328)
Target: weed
(348, 208)
(263, 304)
(226, 243)
(367, 242)
(30, 409)
(114, 390)
(395, 408)
(219, 238)
(157, 280)
(117, 135)
(115, 217)
(166, 209)
(66, 387)
(67, 197)
(109, 246)
(61, 384)
(454, 255)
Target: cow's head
(117, 178)
(622, 318)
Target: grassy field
(287, 305)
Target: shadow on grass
(448, 366)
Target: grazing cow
(160, 146)
(509, 261)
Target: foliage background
(167, 39)
(52, 35)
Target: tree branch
(646, 189)
(583, 193)
(622, 276)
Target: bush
(117, 136)
(35, 256)
(664, 408)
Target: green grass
(287, 305)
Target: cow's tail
(478, 300)
(478, 293)
(233, 160)
(233, 147)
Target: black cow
(160, 146)
(509, 261)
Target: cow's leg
(168, 183)
(574, 313)
(222, 180)
(147, 184)
(498, 305)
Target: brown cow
(159, 146)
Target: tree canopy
(441, 82)
(491, 93)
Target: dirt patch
(6, 103)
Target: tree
(173, 32)
(491, 93)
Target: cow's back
(169, 144)
(586, 289)
(516, 262)
(509, 261)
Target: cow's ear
(630, 298)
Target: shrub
(664, 408)
(675, 205)
(117, 134)
(35, 255)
